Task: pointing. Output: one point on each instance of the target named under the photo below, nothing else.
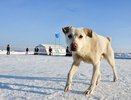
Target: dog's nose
(75, 45)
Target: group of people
(36, 50)
(8, 50)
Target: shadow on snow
(37, 89)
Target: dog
(89, 47)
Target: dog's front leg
(95, 76)
(70, 75)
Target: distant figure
(36, 51)
(8, 49)
(27, 50)
(50, 51)
(68, 53)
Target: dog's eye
(70, 36)
(80, 36)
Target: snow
(32, 77)
(15, 52)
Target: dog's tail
(109, 38)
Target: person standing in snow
(36, 50)
(8, 49)
(50, 51)
(27, 50)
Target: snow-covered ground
(15, 52)
(35, 77)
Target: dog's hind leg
(71, 73)
(111, 61)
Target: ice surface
(36, 77)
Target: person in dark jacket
(27, 50)
(68, 53)
(50, 51)
(8, 49)
(36, 51)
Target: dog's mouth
(73, 49)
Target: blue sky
(27, 23)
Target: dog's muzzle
(74, 46)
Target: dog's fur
(89, 47)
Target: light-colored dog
(89, 47)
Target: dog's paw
(88, 92)
(115, 79)
(67, 88)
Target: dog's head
(76, 38)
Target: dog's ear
(88, 32)
(66, 29)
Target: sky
(27, 23)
